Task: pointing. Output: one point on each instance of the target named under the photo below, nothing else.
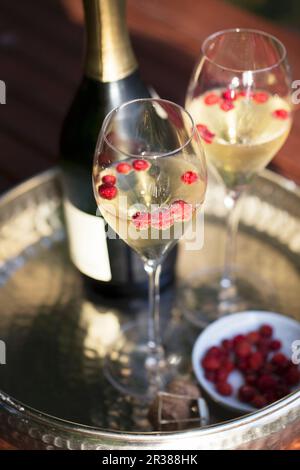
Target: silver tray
(54, 394)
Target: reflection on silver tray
(57, 334)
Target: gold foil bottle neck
(109, 56)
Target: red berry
(229, 95)
(181, 210)
(270, 396)
(259, 401)
(263, 346)
(260, 97)
(141, 220)
(246, 393)
(251, 379)
(227, 345)
(292, 376)
(162, 219)
(237, 339)
(228, 365)
(243, 365)
(106, 191)
(280, 360)
(242, 94)
(110, 180)
(211, 363)
(245, 94)
(140, 165)
(275, 344)
(282, 390)
(280, 114)
(224, 388)
(189, 177)
(266, 382)
(242, 349)
(266, 331)
(253, 337)
(123, 168)
(214, 351)
(211, 98)
(256, 360)
(205, 133)
(226, 105)
(210, 376)
(268, 368)
(221, 375)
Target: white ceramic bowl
(285, 329)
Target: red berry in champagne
(280, 114)
(226, 105)
(211, 98)
(123, 168)
(109, 180)
(205, 133)
(106, 191)
(260, 97)
(189, 177)
(181, 210)
(229, 95)
(141, 220)
(140, 165)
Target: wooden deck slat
(56, 61)
(30, 126)
(27, 163)
(48, 21)
(31, 86)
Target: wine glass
(239, 98)
(149, 179)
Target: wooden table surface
(41, 56)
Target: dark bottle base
(134, 289)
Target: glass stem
(153, 270)
(232, 203)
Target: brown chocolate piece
(172, 410)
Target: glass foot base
(132, 369)
(203, 299)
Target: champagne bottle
(111, 77)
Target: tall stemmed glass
(149, 179)
(239, 98)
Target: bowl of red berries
(245, 361)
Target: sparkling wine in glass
(239, 98)
(149, 179)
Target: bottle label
(88, 244)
